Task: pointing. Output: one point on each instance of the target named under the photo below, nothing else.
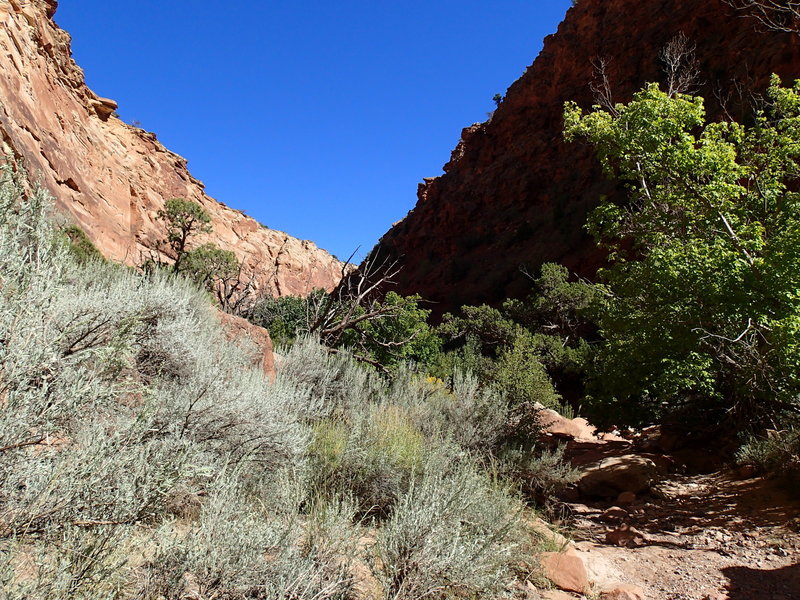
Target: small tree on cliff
(216, 270)
(182, 219)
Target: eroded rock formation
(514, 193)
(112, 178)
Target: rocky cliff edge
(112, 178)
(515, 194)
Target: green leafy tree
(182, 219)
(701, 308)
(492, 329)
(213, 269)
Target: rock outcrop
(514, 193)
(110, 177)
(253, 339)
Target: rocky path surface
(647, 528)
(695, 537)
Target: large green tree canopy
(702, 298)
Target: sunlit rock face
(112, 178)
(514, 193)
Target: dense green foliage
(144, 456)
(701, 310)
(525, 346)
(283, 317)
(208, 263)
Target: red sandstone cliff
(515, 194)
(110, 177)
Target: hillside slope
(514, 193)
(112, 178)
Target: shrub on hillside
(235, 551)
(79, 244)
(372, 457)
(143, 455)
(284, 317)
(465, 413)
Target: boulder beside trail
(614, 475)
(566, 570)
(554, 424)
(623, 592)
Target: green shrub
(532, 350)
(540, 473)
(520, 376)
(208, 263)
(464, 413)
(80, 246)
(777, 454)
(372, 457)
(401, 334)
(283, 317)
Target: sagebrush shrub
(471, 416)
(372, 457)
(454, 533)
(777, 454)
(142, 455)
(236, 551)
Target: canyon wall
(515, 194)
(112, 178)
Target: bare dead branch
(601, 85)
(354, 302)
(778, 15)
(681, 65)
(32, 442)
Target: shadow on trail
(755, 584)
(720, 501)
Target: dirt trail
(706, 536)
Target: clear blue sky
(316, 118)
